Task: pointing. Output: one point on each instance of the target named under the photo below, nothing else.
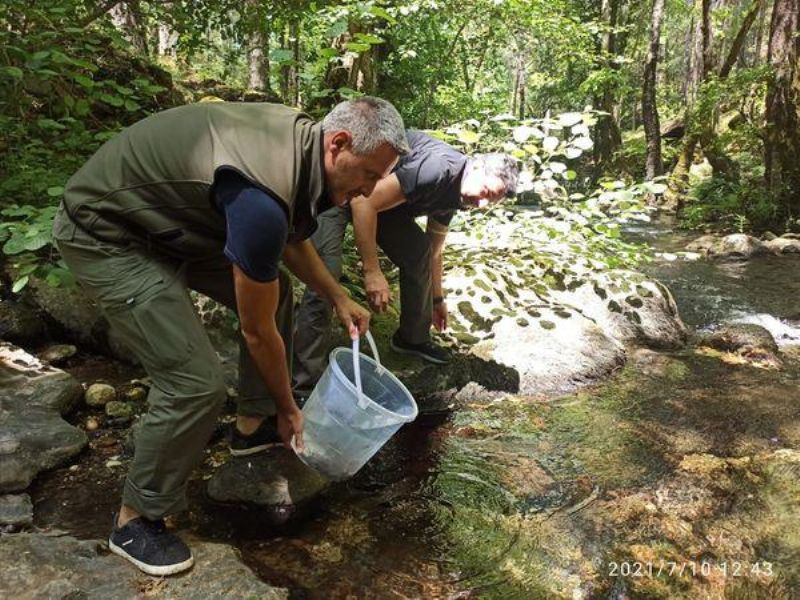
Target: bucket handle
(363, 401)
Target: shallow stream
(679, 477)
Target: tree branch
(739, 40)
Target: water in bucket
(355, 408)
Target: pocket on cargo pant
(159, 326)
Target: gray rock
(16, 510)
(791, 236)
(100, 394)
(554, 353)
(783, 245)
(276, 481)
(119, 410)
(50, 567)
(768, 236)
(702, 244)
(738, 246)
(133, 393)
(743, 338)
(58, 354)
(642, 312)
(19, 323)
(33, 436)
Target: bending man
(210, 197)
(433, 180)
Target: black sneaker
(149, 546)
(262, 438)
(429, 350)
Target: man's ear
(341, 140)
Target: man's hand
(290, 425)
(377, 288)
(353, 316)
(440, 316)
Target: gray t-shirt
(430, 177)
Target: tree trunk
(741, 36)
(127, 17)
(258, 50)
(758, 52)
(167, 40)
(782, 143)
(607, 135)
(652, 128)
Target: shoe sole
(255, 449)
(421, 355)
(157, 571)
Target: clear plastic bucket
(356, 406)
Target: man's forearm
(268, 351)
(303, 260)
(365, 226)
(436, 236)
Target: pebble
(113, 463)
(134, 394)
(119, 410)
(92, 424)
(99, 394)
(58, 354)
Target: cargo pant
(406, 245)
(145, 297)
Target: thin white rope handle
(362, 400)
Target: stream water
(679, 477)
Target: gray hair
(371, 121)
(499, 165)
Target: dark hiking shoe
(429, 350)
(149, 546)
(262, 438)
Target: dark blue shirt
(256, 226)
(430, 177)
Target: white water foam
(786, 333)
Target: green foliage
(731, 206)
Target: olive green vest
(153, 183)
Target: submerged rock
(16, 510)
(275, 481)
(47, 566)
(33, 436)
(742, 338)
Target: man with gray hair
(433, 180)
(210, 197)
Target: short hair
(371, 121)
(499, 165)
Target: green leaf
(382, 14)
(468, 137)
(112, 100)
(337, 28)
(13, 72)
(131, 106)
(19, 284)
(356, 47)
(281, 55)
(369, 38)
(40, 240)
(570, 175)
(328, 52)
(55, 191)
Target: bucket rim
(352, 388)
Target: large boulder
(553, 350)
(629, 308)
(37, 565)
(742, 338)
(275, 482)
(33, 436)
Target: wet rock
(627, 310)
(16, 510)
(133, 393)
(100, 394)
(43, 566)
(33, 436)
(783, 245)
(119, 410)
(743, 338)
(275, 481)
(19, 323)
(553, 353)
(768, 236)
(58, 354)
(461, 371)
(737, 246)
